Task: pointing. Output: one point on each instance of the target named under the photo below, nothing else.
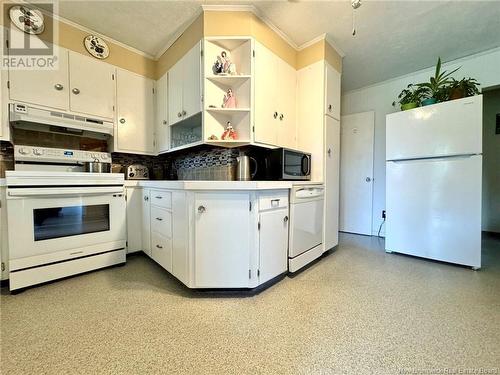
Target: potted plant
(435, 89)
(410, 97)
(463, 88)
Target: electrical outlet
(383, 214)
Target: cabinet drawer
(161, 198)
(273, 200)
(161, 250)
(161, 221)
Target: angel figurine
(229, 99)
(228, 66)
(229, 133)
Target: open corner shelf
(229, 80)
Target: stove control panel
(58, 155)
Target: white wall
(485, 67)
(491, 163)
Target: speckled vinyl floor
(356, 311)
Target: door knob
(368, 179)
(122, 121)
(201, 209)
(75, 91)
(58, 86)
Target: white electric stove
(62, 221)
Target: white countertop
(211, 185)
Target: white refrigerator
(433, 181)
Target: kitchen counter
(210, 185)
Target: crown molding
(228, 8)
(325, 37)
(178, 33)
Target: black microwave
(285, 164)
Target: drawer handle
(158, 197)
(159, 219)
(159, 246)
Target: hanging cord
(355, 5)
(380, 227)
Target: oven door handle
(64, 191)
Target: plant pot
(429, 101)
(407, 106)
(457, 94)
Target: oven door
(54, 224)
(296, 165)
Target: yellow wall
(192, 35)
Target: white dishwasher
(306, 225)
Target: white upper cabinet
(49, 88)
(184, 86)
(162, 129)
(92, 86)
(275, 99)
(135, 113)
(332, 94)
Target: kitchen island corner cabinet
(215, 238)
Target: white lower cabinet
(161, 227)
(273, 242)
(146, 221)
(134, 219)
(222, 240)
(4, 243)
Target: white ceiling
(393, 37)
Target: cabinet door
(287, 86)
(47, 88)
(146, 222)
(191, 79)
(135, 108)
(162, 133)
(174, 107)
(4, 242)
(92, 86)
(332, 182)
(332, 96)
(222, 240)
(266, 91)
(134, 219)
(273, 244)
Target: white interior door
(356, 172)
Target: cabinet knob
(201, 209)
(285, 219)
(159, 246)
(184, 113)
(329, 152)
(159, 219)
(146, 199)
(58, 86)
(282, 116)
(122, 121)
(179, 114)
(368, 179)
(164, 122)
(75, 91)
(275, 115)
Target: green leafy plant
(436, 87)
(463, 88)
(411, 94)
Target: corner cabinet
(134, 131)
(222, 240)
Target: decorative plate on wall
(96, 46)
(29, 20)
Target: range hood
(44, 120)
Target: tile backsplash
(207, 164)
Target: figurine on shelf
(213, 137)
(218, 67)
(229, 99)
(229, 133)
(229, 66)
